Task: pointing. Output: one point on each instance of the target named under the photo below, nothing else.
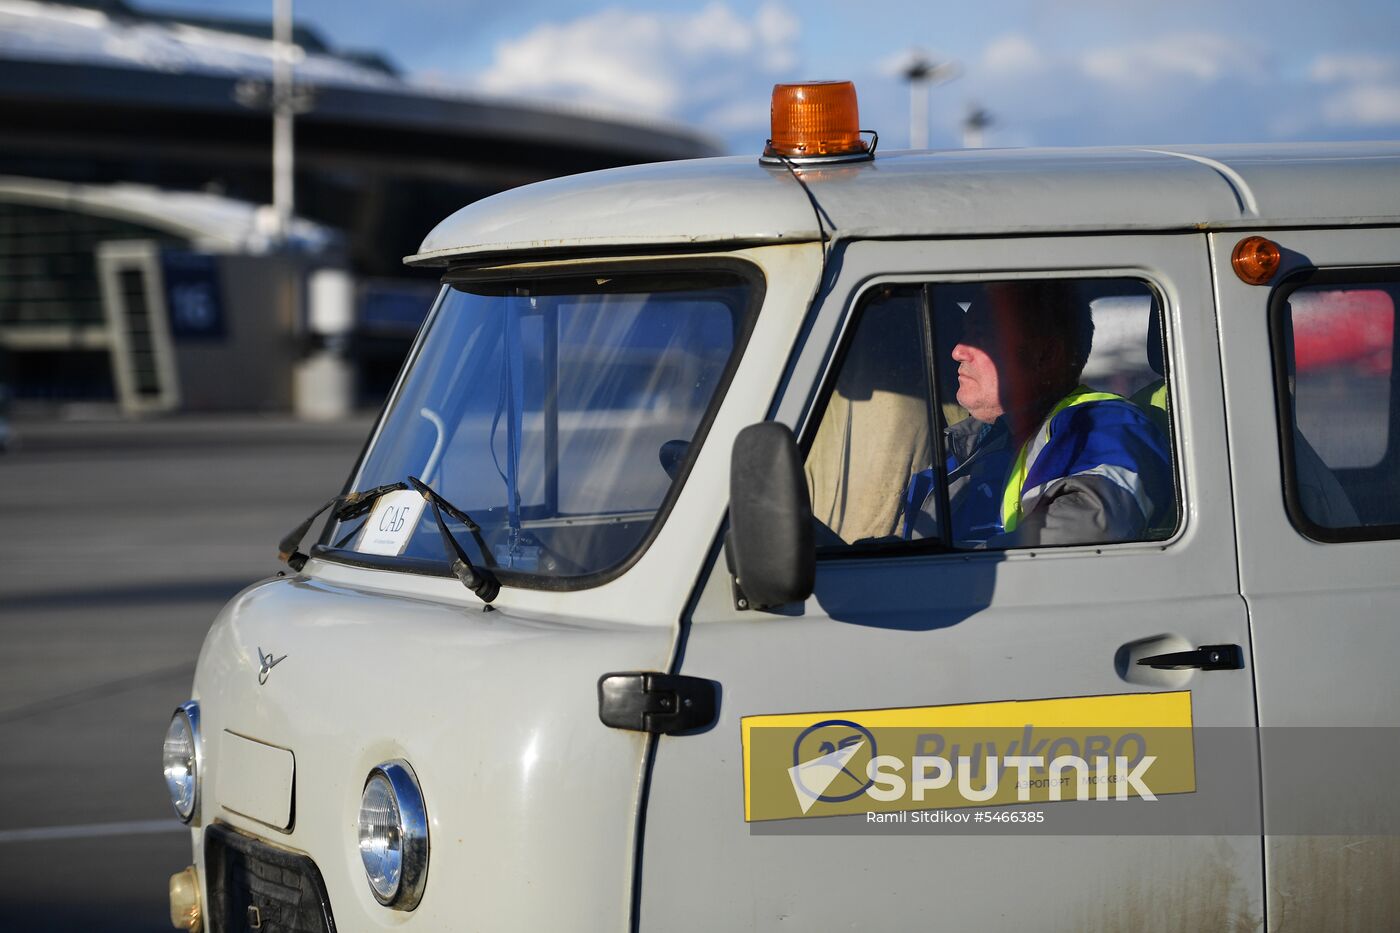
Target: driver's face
(983, 364)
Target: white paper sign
(391, 522)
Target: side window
(1335, 361)
(1019, 413)
(875, 430)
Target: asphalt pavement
(120, 542)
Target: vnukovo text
(841, 766)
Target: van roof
(739, 201)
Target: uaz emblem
(266, 662)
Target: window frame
(1284, 414)
(860, 300)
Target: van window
(559, 413)
(1337, 393)
(1017, 413)
(876, 429)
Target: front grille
(256, 888)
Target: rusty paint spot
(1172, 884)
(1333, 883)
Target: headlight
(394, 835)
(182, 759)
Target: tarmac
(121, 542)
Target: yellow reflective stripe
(1011, 496)
(1158, 399)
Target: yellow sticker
(1133, 745)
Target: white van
(577, 651)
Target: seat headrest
(1154, 341)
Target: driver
(1042, 460)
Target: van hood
(496, 713)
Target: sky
(1047, 72)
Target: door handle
(1206, 658)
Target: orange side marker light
(1256, 259)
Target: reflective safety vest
(1011, 509)
(1152, 399)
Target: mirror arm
(736, 589)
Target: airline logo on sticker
(1136, 745)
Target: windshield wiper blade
(480, 580)
(351, 505)
(433, 496)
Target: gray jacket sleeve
(1079, 509)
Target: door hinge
(661, 704)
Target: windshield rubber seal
(744, 269)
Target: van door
(1314, 416)
(896, 624)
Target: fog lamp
(185, 910)
(394, 835)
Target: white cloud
(1328, 69)
(1012, 55)
(715, 29)
(1365, 105)
(712, 62)
(1181, 87)
(777, 27)
(1200, 57)
(737, 116)
(1363, 91)
(661, 64)
(600, 58)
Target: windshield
(557, 412)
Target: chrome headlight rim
(413, 831)
(190, 711)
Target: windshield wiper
(351, 505)
(480, 580)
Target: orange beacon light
(816, 121)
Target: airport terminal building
(138, 261)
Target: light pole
(974, 125)
(921, 73)
(283, 109)
(284, 99)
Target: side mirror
(769, 547)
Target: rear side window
(1335, 363)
